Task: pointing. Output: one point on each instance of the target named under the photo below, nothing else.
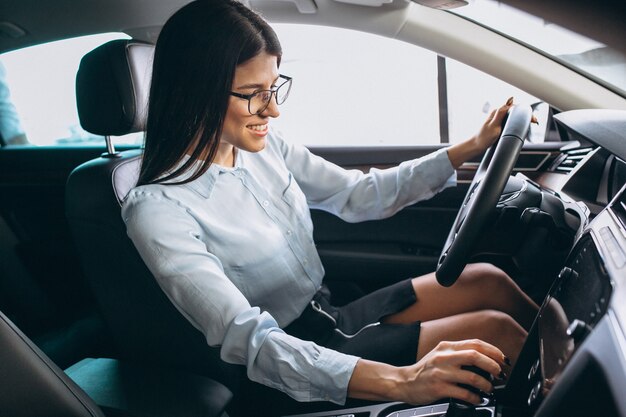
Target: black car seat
(32, 385)
(112, 86)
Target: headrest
(112, 86)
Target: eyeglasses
(260, 100)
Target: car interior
(85, 329)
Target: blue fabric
(9, 120)
(234, 252)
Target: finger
(463, 394)
(500, 115)
(502, 378)
(482, 347)
(503, 110)
(474, 358)
(509, 102)
(472, 350)
(475, 380)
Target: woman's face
(242, 129)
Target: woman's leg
(491, 326)
(481, 286)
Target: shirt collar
(206, 182)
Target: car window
(472, 95)
(353, 88)
(357, 89)
(38, 95)
(596, 60)
(350, 89)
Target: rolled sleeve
(303, 370)
(426, 176)
(356, 196)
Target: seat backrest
(32, 385)
(112, 84)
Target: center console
(405, 410)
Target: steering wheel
(483, 195)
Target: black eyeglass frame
(273, 92)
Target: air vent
(570, 159)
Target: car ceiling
(142, 18)
(77, 17)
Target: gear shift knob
(458, 408)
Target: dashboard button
(534, 394)
(578, 330)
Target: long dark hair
(195, 59)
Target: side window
(38, 96)
(357, 89)
(472, 95)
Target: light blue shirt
(234, 251)
(10, 126)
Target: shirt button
(306, 261)
(266, 203)
(289, 232)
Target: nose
(272, 109)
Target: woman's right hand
(438, 374)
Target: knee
(502, 327)
(489, 278)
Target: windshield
(585, 55)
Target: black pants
(355, 328)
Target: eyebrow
(255, 86)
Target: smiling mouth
(260, 130)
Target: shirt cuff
(447, 168)
(332, 382)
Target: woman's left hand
(486, 136)
(492, 128)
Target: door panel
(42, 289)
(377, 253)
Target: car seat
(112, 86)
(32, 385)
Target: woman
(233, 248)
